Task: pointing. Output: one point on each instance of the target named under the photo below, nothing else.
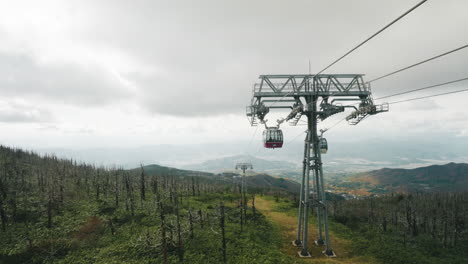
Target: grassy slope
(360, 244)
(81, 234)
(284, 216)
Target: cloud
(17, 112)
(108, 66)
(193, 94)
(422, 105)
(200, 59)
(66, 83)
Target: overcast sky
(81, 74)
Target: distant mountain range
(229, 163)
(448, 177)
(435, 178)
(344, 155)
(264, 181)
(162, 170)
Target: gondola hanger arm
(323, 131)
(296, 110)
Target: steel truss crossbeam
(316, 97)
(323, 85)
(288, 89)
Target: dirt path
(288, 225)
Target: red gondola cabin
(272, 138)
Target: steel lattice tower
(244, 166)
(316, 97)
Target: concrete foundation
(304, 256)
(330, 254)
(296, 243)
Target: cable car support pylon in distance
(244, 166)
(316, 97)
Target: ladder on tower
(295, 120)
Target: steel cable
(375, 34)
(423, 88)
(428, 96)
(419, 63)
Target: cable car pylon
(316, 97)
(244, 166)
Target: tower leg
(328, 250)
(300, 216)
(304, 251)
(319, 241)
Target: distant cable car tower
(316, 97)
(244, 166)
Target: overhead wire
(418, 63)
(396, 102)
(251, 139)
(327, 129)
(371, 37)
(428, 96)
(358, 46)
(337, 123)
(294, 138)
(362, 43)
(423, 88)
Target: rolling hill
(162, 170)
(255, 181)
(435, 178)
(228, 163)
(266, 181)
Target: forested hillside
(417, 228)
(435, 178)
(58, 211)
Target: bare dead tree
(180, 249)
(129, 199)
(116, 189)
(200, 215)
(163, 234)
(190, 218)
(223, 232)
(3, 196)
(142, 185)
(241, 208)
(253, 205)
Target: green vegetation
(445, 239)
(57, 211)
(451, 177)
(413, 228)
(389, 247)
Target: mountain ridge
(448, 177)
(228, 163)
